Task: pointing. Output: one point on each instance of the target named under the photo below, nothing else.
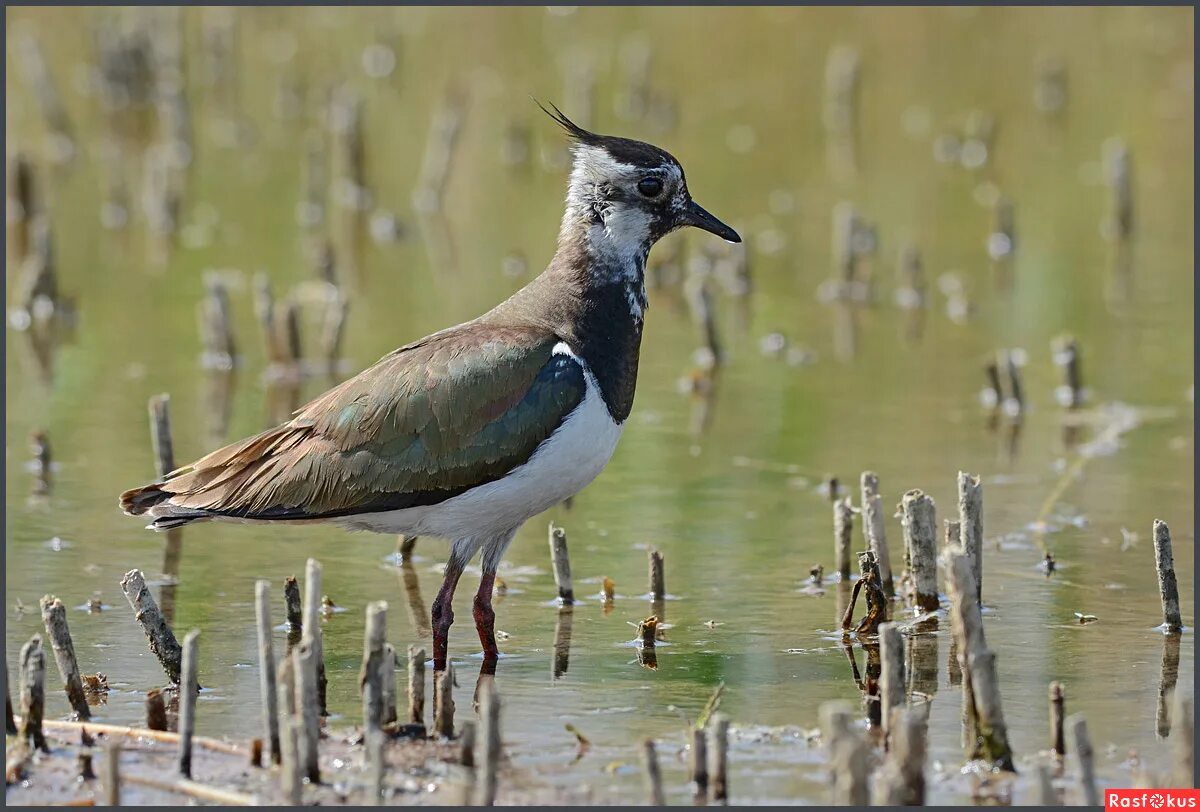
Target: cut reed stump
(371, 676)
(388, 672)
(1168, 588)
(156, 710)
(158, 634)
(979, 664)
(901, 780)
(562, 565)
(920, 542)
(658, 588)
(1084, 754)
(1057, 700)
(312, 626)
(33, 694)
(160, 434)
(654, 785)
(489, 743)
(698, 766)
(970, 518)
(416, 686)
(874, 528)
(891, 678)
(54, 617)
(718, 757)
(292, 607)
(290, 733)
(443, 703)
(112, 774)
(188, 688)
(266, 668)
(304, 668)
(843, 529)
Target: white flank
(560, 467)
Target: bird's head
(634, 192)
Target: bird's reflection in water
(1166, 684)
(562, 640)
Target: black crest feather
(572, 129)
(625, 150)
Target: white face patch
(621, 240)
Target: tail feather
(153, 500)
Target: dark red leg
(485, 621)
(443, 614)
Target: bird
(471, 431)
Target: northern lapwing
(469, 432)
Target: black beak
(695, 215)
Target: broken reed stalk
(416, 685)
(188, 689)
(1168, 588)
(443, 703)
(1014, 404)
(851, 765)
(160, 433)
(980, 663)
(901, 780)
(1084, 754)
(489, 742)
(112, 774)
(891, 678)
(158, 634)
(843, 528)
(333, 329)
(156, 710)
(1057, 699)
(970, 517)
(312, 626)
(90, 728)
(388, 672)
(920, 541)
(291, 601)
(718, 757)
(654, 785)
(290, 733)
(562, 565)
(658, 588)
(54, 617)
(874, 528)
(703, 314)
(308, 710)
(33, 694)
(371, 677)
(698, 765)
(1045, 783)
(266, 667)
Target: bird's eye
(650, 187)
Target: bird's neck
(593, 296)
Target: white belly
(560, 467)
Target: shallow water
(736, 508)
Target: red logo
(1151, 799)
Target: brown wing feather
(458, 409)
